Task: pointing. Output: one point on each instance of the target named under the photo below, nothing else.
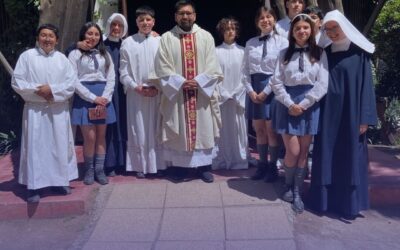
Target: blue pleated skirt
(305, 124)
(80, 114)
(261, 111)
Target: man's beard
(185, 26)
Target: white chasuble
(189, 120)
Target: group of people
(152, 103)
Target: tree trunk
(280, 4)
(328, 5)
(312, 2)
(68, 16)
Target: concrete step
(384, 188)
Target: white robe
(137, 61)
(168, 72)
(232, 145)
(47, 146)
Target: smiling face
(294, 7)
(334, 32)
(145, 23)
(47, 40)
(266, 22)
(185, 17)
(116, 29)
(301, 32)
(92, 36)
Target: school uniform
(260, 57)
(95, 79)
(299, 82)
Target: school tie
(301, 57)
(92, 55)
(264, 39)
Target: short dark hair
(314, 10)
(182, 3)
(48, 26)
(224, 23)
(259, 12)
(145, 10)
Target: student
(143, 99)
(299, 82)
(187, 68)
(115, 30)
(317, 16)
(260, 56)
(92, 108)
(293, 8)
(45, 80)
(232, 145)
(339, 180)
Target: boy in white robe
(232, 145)
(143, 100)
(44, 78)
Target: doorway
(209, 12)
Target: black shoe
(140, 175)
(177, 174)
(260, 172)
(272, 174)
(288, 194)
(161, 173)
(61, 190)
(89, 176)
(111, 173)
(207, 177)
(33, 196)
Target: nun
(44, 78)
(339, 180)
(116, 135)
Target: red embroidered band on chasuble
(189, 69)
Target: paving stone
(192, 245)
(193, 194)
(257, 222)
(192, 224)
(117, 245)
(134, 195)
(127, 225)
(248, 192)
(261, 245)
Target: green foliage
(392, 114)
(385, 35)
(17, 34)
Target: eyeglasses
(187, 13)
(333, 29)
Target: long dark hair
(99, 46)
(314, 51)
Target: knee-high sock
(262, 151)
(89, 160)
(274, 153)
(99, 161)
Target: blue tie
(264, 39)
